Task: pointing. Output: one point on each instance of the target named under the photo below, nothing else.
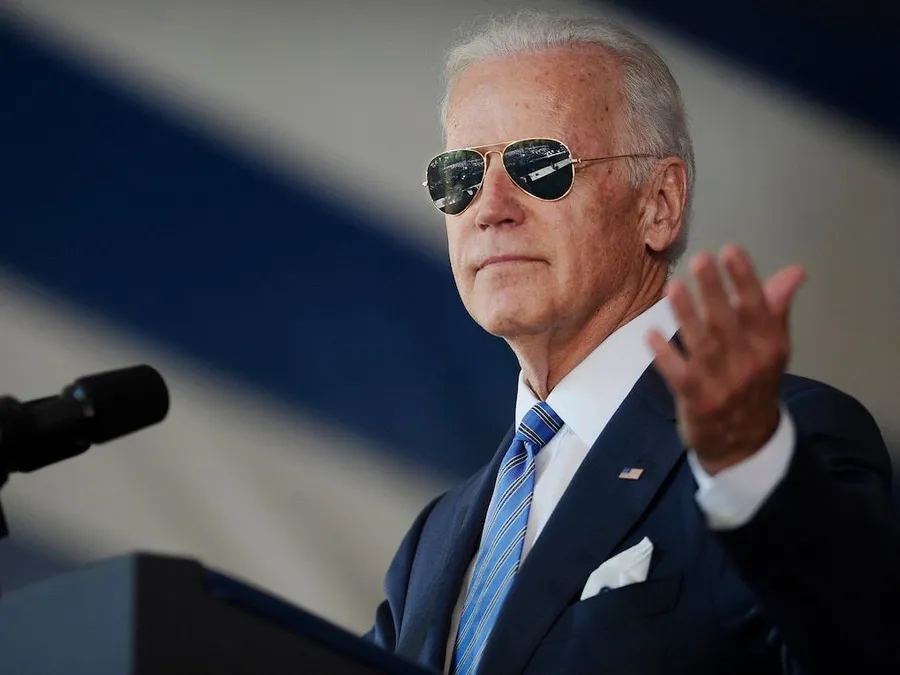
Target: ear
(664, 204)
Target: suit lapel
(596, 513)
(451, 551)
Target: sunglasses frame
(576, 163)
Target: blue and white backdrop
(230, 191)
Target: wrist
(744, 445)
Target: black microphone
(93, 409)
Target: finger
(749, 299)
(781, 288)
(691, 328)
(717, 311)
(670, 362)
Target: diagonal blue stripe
(793, 41)
(114, 206)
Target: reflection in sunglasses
(547, 170)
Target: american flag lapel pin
(630, 473)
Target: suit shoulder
(836, 421)
(792, 385)
(825, 402)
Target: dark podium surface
(145, 614)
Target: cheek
(453, 243)
(580, 238)
(456, 252)
(600, 236)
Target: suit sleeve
(822, 554)
(389, 615)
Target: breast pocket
(618, 607)
(633, 601)
(640, 628)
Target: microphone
(94, 409)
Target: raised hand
(737, 346)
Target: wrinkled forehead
(573, 95)
(487, 105)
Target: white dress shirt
(586, 400)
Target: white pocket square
(631, 566)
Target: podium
(146, 614)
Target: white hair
(654, 113)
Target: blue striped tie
(502, 537)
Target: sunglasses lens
(453, 179)
(540, 166)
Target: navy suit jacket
(810, 585)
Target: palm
(737, 346)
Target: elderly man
(668, 500)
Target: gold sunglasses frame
(575, 164)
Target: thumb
(781, 288)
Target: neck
(546, 358)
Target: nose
(498, 202)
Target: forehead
(573, 94)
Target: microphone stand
(4, 468)
(7, 403)
(4, 530)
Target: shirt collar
(591, 393)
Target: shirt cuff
(732, 497)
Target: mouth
(505, 260)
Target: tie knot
(539, 425)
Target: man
(664, 503)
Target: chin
(508, 309)
(511, 321)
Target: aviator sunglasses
(541, 167)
